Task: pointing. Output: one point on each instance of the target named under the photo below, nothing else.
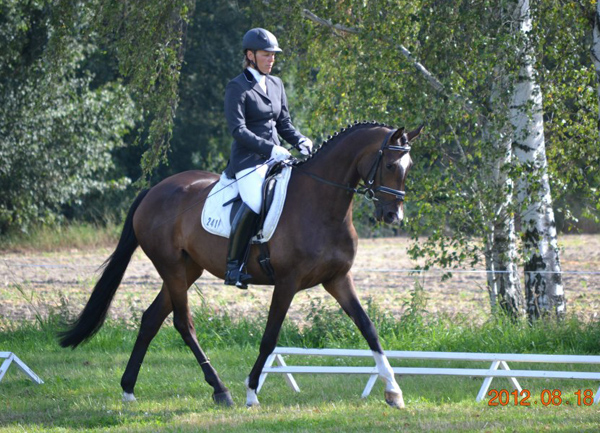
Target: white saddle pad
(215, 216)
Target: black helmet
(260, 39)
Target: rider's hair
(246, 62)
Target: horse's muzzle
(389, 216)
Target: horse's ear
(414, 134)
(397, 135)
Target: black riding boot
(242, 230)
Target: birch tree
(487, 207)
(543, 278)
(501, 254)
(468, 68)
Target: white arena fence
(498, 367)
(9, 358)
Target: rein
(367, 189)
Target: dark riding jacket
(255, 120)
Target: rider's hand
(305, 146)
(280, 153)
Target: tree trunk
(504, 284)
(543, 279)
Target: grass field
(82, 393)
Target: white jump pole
(9, 358)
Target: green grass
(82, 392)
(79, 235)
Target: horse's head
(387, 176)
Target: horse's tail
(92, 317)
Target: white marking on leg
(386, 373)
(251, 397)
(128, 396)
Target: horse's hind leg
(280, 304)
(152, 319)
(182, 319)
(342, 289)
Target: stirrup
(235, 277)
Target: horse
(314, 243)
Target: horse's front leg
(342, 289)
(280, 304)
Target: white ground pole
(498, 368)
(9, 358)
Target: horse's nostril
(391, 217)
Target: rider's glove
(305, 145)
(280, 153)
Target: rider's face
(264, 60)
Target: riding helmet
(260, 39)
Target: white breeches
(250, 183)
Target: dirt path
(35, 283)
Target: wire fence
(50, 284)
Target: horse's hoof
(223, 398)
(394, 399)
(128, 397)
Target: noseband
(367, 189)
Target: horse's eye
(389, 166)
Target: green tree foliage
(352, 67)
(213, 56)
(570, 102)
(56, 133)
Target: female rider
(256, 111)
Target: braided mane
(344, 131)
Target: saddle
(268, 196)
(224, 201)
(217, 211)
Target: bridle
(367, 189)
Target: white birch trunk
(543, 279)
(596, 55)
(504, 284)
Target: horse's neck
(338, 163)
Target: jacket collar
(254, 84)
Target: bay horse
(314, 243)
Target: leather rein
(367, 189)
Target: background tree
(71, 70)
(56, 131)
(213, 56)
(543, 277)
(464, 170)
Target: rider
(256, 111)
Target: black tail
(92, 317)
